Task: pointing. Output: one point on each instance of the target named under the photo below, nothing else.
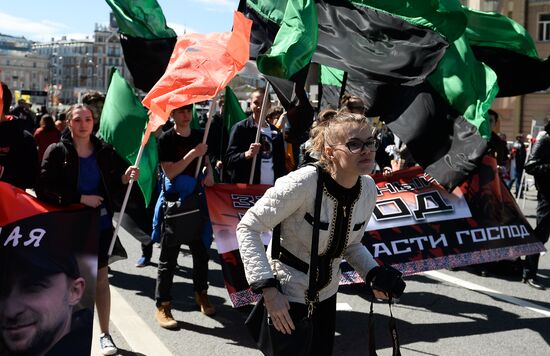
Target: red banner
(416, 225)
(227, 203)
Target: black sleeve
(279, 154)
(23, 168)
(539, 162)
(382, 158)
(163, 148)
(234, 156)
(215, 140)
(257, 287)
(116, 188)
(52, 186)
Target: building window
(544, 27)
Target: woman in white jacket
(346, 149)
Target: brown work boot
(164, 316)
(202, 301)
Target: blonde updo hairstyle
(333, 131)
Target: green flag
(232, 110)
(123, 122)
(195, 120)
(490, 29)
(141, 18)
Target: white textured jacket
(288, 202)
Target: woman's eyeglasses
(357, 146)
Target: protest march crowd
(319, 178)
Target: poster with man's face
(48, 269)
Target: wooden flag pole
(125, 202)
(206, 131)
(263, 114)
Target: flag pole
(523, 182)
(206, 131)
(343, 89)
(125, 202)
(263, 114)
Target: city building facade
(21, 68)
(79, 66)
(520, 114)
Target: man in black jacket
(18, 152)
(538, 165)
(241, 150)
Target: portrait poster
(48, 271)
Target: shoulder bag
(183, 219)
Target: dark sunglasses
(357, 146)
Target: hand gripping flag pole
(206, 131)
(263, 114)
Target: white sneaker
(106, 345)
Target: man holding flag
(218, 137)
(179, 150)
(243, 147)
(200, 67)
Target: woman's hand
(378, 294)
(93, 201)
(277, 307)
(131, 173)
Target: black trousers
(147, 250)
(324, 324)
(542, 231)
(167, 266)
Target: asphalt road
(442, 312)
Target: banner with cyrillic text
(227, 203)
(416, 225)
